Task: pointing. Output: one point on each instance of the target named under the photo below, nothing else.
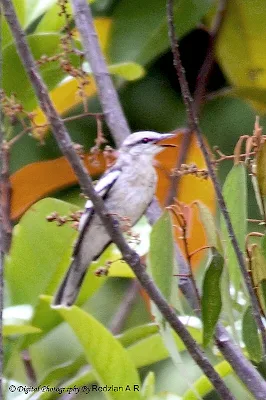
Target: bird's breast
(133, 194)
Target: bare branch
(112, 225)
(125, 307)
(207, 66)
(194, 126)
(111, 106)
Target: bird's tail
(69, 289)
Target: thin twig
(207, 66)
(199, 96)
(194, 126)
(111, 224)
(181, 158)
(5, 199)
(125, 307)
(111, 106)
(30, 372)
(83, 115)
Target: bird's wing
(102, 188)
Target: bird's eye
(145, 140)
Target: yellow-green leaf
(251, 336)
(211, 302)
(111, 362)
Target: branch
(194, 126)
(199, 95)
(111, 224)
(111, 106)
(5, 198)
(125, 307)
(207, 66)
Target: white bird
(127, 189)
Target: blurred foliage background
(134, 39)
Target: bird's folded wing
(102, 188)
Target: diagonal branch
(194, 126)
(207, 66)
(200, 91)
(111, 106)
(111, 224)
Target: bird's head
(145, 143)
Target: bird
(127, 189)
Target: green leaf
(208, 223)
(251, 336)
(137, 333)
(203, 386)
(15, 79)
(243, 61)
(127, 70)
(258, 271)
(255, 96)
(28, 274)
(148, 388)
(10, 330)
(143, 352)
(52, 21)
(6, 35)
(145, 26)
(161, 254)
(35, 8)
(152, 349)
(235, 195)
(261, 174)
(109, 359)
(211, 302)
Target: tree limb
(194, 126)
(111, 106)
(111, 224)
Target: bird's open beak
(165, 137)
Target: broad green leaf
(251, 336)
(38, 247)
(235, 195)
(35, 8)
(111, 363)
(144, 352)
(6, 35)
(255, 95)
(243, 61)
(9, 330)
(63, 371)
(127, 339)
(211, 302)
(52, 21)
(258, 271)
(161, 254)
(148, 389)
(40, 44)
(208, 222)
(137, 333)
(203, 386)
(152, 349)
(146, 32)
(127, 70)
(261, 173)
(161, 266)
